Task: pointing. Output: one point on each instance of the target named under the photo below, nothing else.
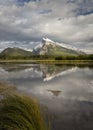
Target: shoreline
(69, 62)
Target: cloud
(61, 20)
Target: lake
(66, 91)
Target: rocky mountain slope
(49, 47)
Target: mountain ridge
(49, 47)
(46, 47)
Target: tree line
(49, 57)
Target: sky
(23, 23)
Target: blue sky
(24, 23)
(22, 2)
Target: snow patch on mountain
(38, 46)
(48, 40)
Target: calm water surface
(66, 91)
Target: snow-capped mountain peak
(48, 46)
(47, 41)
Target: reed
(18, 111)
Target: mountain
(46, 47)
(49, 47)
(15, 52)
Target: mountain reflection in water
(48, 72)
(55, 92)
(67, 91)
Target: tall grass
(19, 112)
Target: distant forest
(49, 57)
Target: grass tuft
(19, 112)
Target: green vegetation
(79, 57)
(15, 53)
(55, 54)
(19, 112)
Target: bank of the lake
(67, 62)
(19, 111)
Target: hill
(15, 53)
